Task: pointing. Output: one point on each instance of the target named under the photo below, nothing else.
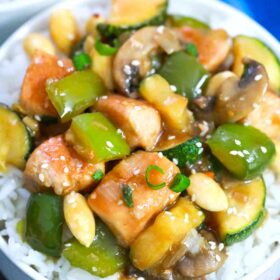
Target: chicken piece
(266, 117)
(213, 45)
(107, 199)
(55, 164)
(34, 99)
(139, 121)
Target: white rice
(243, 257)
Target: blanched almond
(79, 218)
(207, 193)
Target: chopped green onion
(127, 195)
(81, 61)
(105, 49)
(180, 183)
(191, 49)
(149, 169)
(98, 175)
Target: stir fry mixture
(147, 135)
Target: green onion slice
(191, 49)
(151, 185)
(98, 175)
(180, 183)
(105, 49)
(81, 61)
(127, 195)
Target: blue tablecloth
(265, 12)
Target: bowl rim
(31, 24)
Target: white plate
(213, 12)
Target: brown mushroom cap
(133, 60)
(235, 98)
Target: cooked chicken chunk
(55, 164)
(107, 199)
(139, 121)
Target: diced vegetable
(103, 258)
(98, 175)
(187, 153)
(15, 140)
(56, 164)
(245, 213)
(102, 65)
(191, 50)
(109, 144)
(35, 41)
(168, 230)
(243, 150)
(149, 169)
(81, 61)
(34, 99)
(44, 221)
(132, 116)
(105, 49)
(64, 29)
(127, 195)
(79, 218)
(127, 15)
(185, 73)
(107, 199)
(207, 193)
(245, 46)
(172, 107)
(180, 21)
(213, 45)
(75, 93)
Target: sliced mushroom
(133, 60)
(207, 259)
(236, 97)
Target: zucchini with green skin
(245, 213)
(180, 21)
(245, 46)
(127, 15)
(15, 139)
(186, 153)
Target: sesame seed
(193, 198)
(160, 155)
(237, 142)
(221, 247)
(200, 213)
(138, 108)
(234, 153)
(173, 88)
(41, 177)
(218, 258)
(109, 144)
(120, 202)
(62, 157)
(136, 171)
(198, 144)
(263, 149)
(60, 63)
(175, 160)
(186, 218)
(258, 77)
(135, 62)
(171, 137)
(66, 184)
(44, 165)
(66, 169)
(160, 29)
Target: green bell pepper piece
(73, 94)
(44, 221)
(180, 21)
(185, 73)
(96, 139)
(243, 150)
(103, 258)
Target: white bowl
(218, 15)
(16, 12)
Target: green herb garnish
(191, 49)
(151, 185)
(98, 175)
(180, 183)
(127, 195)
(81, 61)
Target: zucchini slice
(15, 140)
(245, 213)
(245, 46)
(180, 21)
(129, 15)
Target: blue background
(265, 12)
